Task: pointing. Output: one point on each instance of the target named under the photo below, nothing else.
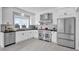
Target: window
(22, 21)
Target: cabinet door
(60, 25)
(35, 34)
(27, 34)
(32, 33)
(54, 37)
(19, 36)
(69, 25)
(23, 37)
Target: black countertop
(28, 30)
(48, 30)
(8, 31)
(25, 29)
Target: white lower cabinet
(20, 36)
(28, 34)
(54, 37)
(35, 33)
(24, 35)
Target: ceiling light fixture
(22, 14)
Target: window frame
(19, 14)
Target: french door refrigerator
(66, 32)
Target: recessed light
(22, 14)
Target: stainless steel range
(45, 35)
(41, 34)
(48, 35)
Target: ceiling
(41, 9)
(36, 9)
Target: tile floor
(35, 45)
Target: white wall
(77, 29)
(1, 35)
(0, 15)
(64, 12)
(37, 19)
(58, 13)
(7, 13)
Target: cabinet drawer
(66, 36)
(65, 42)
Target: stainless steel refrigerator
(66, 32)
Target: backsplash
(47, 26)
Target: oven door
(48, 36)
(41, 35)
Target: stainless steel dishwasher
(9, 38)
